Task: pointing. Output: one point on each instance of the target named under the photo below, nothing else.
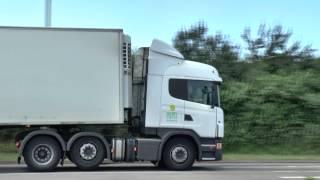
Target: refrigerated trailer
(78, 94)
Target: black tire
(158, 164)
(179, 154)
(154, 163)
(42, 153)
(87, 161)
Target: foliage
(272, 43)
(194, 43)
(272, 96)
(8, 134)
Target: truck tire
(42, 153)
(178, 154)
(158, 164)
(87, 153)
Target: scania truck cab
(182, 98)
(78, 94)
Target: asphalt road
(146, 171)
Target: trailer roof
(62, 28)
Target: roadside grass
(309, 178)
(7, 147)
(8, 157)
(262, 157)
(272, 152)
(277, 149)
(8, 151)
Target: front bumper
(212, 151)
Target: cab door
(172, 103)
(200, 111)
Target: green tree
(195, 44)
(217, 50)
(272, 43)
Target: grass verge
(8, 151)
(262, 157)
(8, 157)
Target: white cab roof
(194, 70)
(165, 60)
(165, 49)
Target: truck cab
(182, 97)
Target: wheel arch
(89, 134)
(184, 134)
(42, 132)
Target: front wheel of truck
(179, 154)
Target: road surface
(146, 171)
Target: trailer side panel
(60, 76)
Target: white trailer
(58, 82)
(61, 76)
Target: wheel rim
(42, 154)
(88, 151)
(179, 154)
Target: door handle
(188, 117)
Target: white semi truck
(73, 90)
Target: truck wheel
(87, 153)
(178, 154)
(158, 164)
(42, 154)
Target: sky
(144, 20)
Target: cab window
(198, 91)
